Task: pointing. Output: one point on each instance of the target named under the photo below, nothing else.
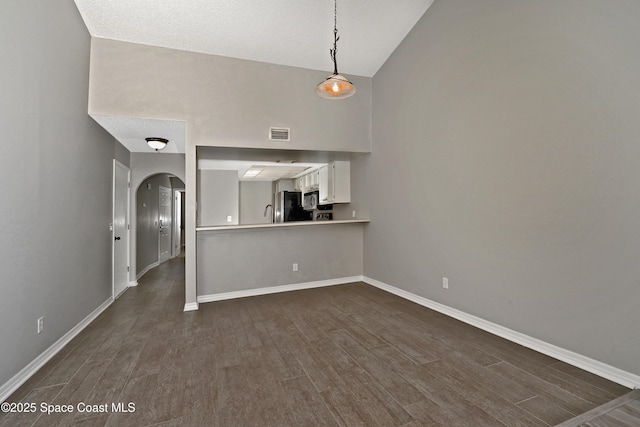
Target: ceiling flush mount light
(335, 86)
(157, 143)
(252, 172)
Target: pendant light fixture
(157, 143)
(335, 86)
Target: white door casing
(164, 225)
(120, 226)
(177, 219)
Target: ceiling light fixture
(335, 86)
(157, 143)
(252, 173)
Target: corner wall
(505, 158)
(57, 162)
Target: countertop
(281, 224)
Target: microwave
(311, 200)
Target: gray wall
(238, 260)
(56, 253)
(218, 197)
(121, 154)
(147, 213)
(506, 158)
(226, 101)
(254, 197)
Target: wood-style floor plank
(341, 355)
(545, 410)
(618, 412)
(493, 403)
(306, 403)
(566, 400)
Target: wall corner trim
(278, 289)
(609, 372)
(191, 306)
(133, 283)
(21, 377)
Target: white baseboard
(609, 372)
(278, 289)
(147, 268)
(133, 283)
(191, 306)
(21, 377)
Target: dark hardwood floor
(343, 355)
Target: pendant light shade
(157, 143)
(335, 86)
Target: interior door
(164, 225)
(120, 242)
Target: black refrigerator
(289, 207)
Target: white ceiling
(269, 171)
(131, 132)
(288, 32)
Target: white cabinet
(311, 180)
(323, 182)
(335, 183)
(284, 185)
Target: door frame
(176, 243)
(127, 237)
(160, 188)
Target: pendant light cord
(333, 51)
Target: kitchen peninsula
(275, 221)
(244, 260)
(282, 224)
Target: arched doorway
(159, 225)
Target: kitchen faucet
(266, 208)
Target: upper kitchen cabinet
(335, 183)
(311, 181)
(284, 185)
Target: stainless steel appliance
(311, 200)
(319, 215)
(289, 207)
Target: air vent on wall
(279, 134)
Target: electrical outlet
(40, 324)
(295, 266)
(353, 214)
(445, 283)
(229, 218)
